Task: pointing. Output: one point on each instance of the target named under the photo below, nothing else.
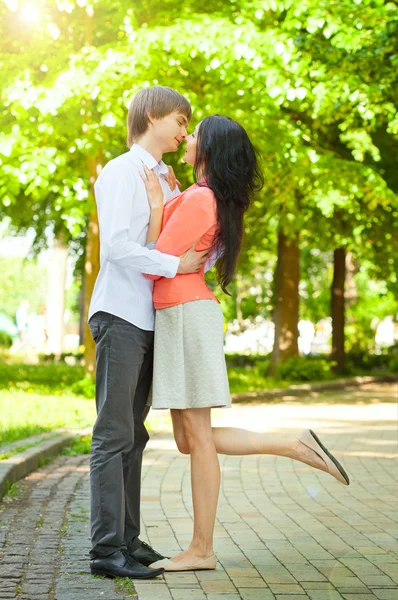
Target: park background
(314, 84)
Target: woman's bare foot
(308, 456)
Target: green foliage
(392, 354)
(302, 368)
(81, 444)
(5, 340)
(234, 359)
(84, 387)
(373, 302)
(313, 82)
(42, 379)
(362, 362)
(21, 279)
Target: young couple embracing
(155, 245)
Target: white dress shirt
(123, 214)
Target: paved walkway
(283, 530)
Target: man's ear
(150, 118)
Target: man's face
(169, 131)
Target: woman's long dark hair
(227, 159)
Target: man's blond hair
(154, 102)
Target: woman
(190, 375)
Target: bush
(46, 359)
(242, 360)
(84, 387)
(302, 368)
(392, 357)
(372, 363)
(5, 340)
(77, 354)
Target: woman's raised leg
(235, 441)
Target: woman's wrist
(157, 210)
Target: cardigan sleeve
(190, 221)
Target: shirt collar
(159, 167)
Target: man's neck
(151, 146)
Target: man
(121, 319)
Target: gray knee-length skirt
(189, 361)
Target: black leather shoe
(122, 564)
(145, 554)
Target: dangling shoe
(334, 468)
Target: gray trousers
(124, 356)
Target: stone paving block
(358, 597)
(290, 597)
(390, 570)
(223, 597)
(149, 592)
(355, 590)
(316, 585)
(377, 580)
(384, 594)
(218, 586)
(245, 572)
(304, 572)
(255, 594)
(381, 559)
(280, 588)
(276, 575)
(217, 575)
(325, 595)
(247, 582)
(180, 578)
(187, 594)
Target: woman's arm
(155, 226)
(156, 203)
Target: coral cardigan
(189, 218)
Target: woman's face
(190, 150)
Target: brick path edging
(21, 464)
(309, 388)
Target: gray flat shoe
(169, 565)
(311, 440)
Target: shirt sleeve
(191, 220)
(213, 258)
(114, 191)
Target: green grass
(126, 587)
(24, 414)
(252, 379)
(54, 379)
(80, 445)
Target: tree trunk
(338, 308)
(91, 268)
(286, 312)
(82, 323)
(55, 302)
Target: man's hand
(191, 261)
(171, 179)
